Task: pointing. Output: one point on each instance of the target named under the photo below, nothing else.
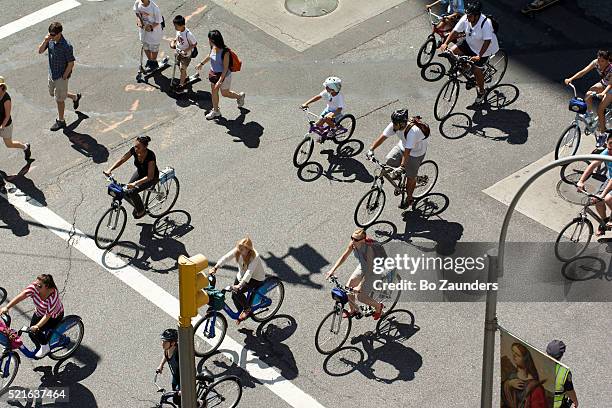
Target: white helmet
(333, 83)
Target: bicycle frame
(588, 129)
(57, 340)
(325, 131)
(384, 170)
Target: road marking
(114, 265)
(195, 13)
(36, 17)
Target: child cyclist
(454, 10)
(335, 103)
(183, 43)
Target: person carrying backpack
(409, 153)
(222, 62)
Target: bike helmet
(333, 83)
(169, 335)
(555, 349)
(399, 116)
(474, 7)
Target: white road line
(259, 370)
(37, 16)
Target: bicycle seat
(205, 375)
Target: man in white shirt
(148, 20)
(408, 154)
(480, 42)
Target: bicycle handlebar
(334, 279)
(589, 195)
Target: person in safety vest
(565, 394)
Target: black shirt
(5, 98)
(143, 168)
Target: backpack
(494, 23)
(235, 64)
(423, 127)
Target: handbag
(194, 52)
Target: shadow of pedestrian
(12, 220)
(84, 143)
(248, 133)
(307, 256)
(26, 186)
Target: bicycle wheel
(386, 296)
(568, 142)
(344, 128)
(369, 207)
(206, 339)
(303, 152)
(332, 332)
(426, 178)
(573, 239)
(433, 72)
(270, 297)
(222, 393)
(496, 68)
(3, 295)
(110, 227)
(426, 52)
(160, 201)
(9, 365)
(66, 338)
(446, 99)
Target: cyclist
(606, 187)
(169, 338)
(454, 11)
(408, 154)
(335, 103)
(603, 89)
(145, 176)
(251, 274)
(564, 387)
(480, 42)
(48, 313)
(365, 250)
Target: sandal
(348, 315)
(378, 313)
(601, 230)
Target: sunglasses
(39, 286)
(53, 34)
(357, 240)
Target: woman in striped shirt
(48, 314)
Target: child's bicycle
(210, 331)
(224, 392)
(345, 126)
(570, 138)
(431, 44)
(334, 329)
(64, 341)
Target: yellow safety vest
(561, 374)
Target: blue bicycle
(210, 331)
(64, 341)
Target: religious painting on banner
(527, 374)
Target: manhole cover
(311, 8)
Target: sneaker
(27, 152)
(59, 124)
(240, 100)
(42, 351)
(213, 114)
(75, 103)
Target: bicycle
(210, 331)
(371, 205)
(332, 332)
(210, 393)
(64, 341)
(113, 221)
(428, 49)
(3, 294)
(570, 138)
(345, 126)
(461, 67)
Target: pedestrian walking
(565, 394)
(61, 63)
(149, 22)
(220, 75)
(6, 122)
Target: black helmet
(473, 7)
(555, 349)
(169, 335)
(399, 116)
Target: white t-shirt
(476, 35)
(414, 140)
(184, 39)
(333, 102)
(150, 15)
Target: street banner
(527, 374)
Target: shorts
(213, 77)
(7, 132)
(466, 50)
(326, 111)
(150, 47)
(183, 62)
(58, 89)
(394, 158)
(357, 273)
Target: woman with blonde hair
(251, 273)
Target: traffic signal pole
(186, 363)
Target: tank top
(216, 61)
(605, 74)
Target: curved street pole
(496, 265)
